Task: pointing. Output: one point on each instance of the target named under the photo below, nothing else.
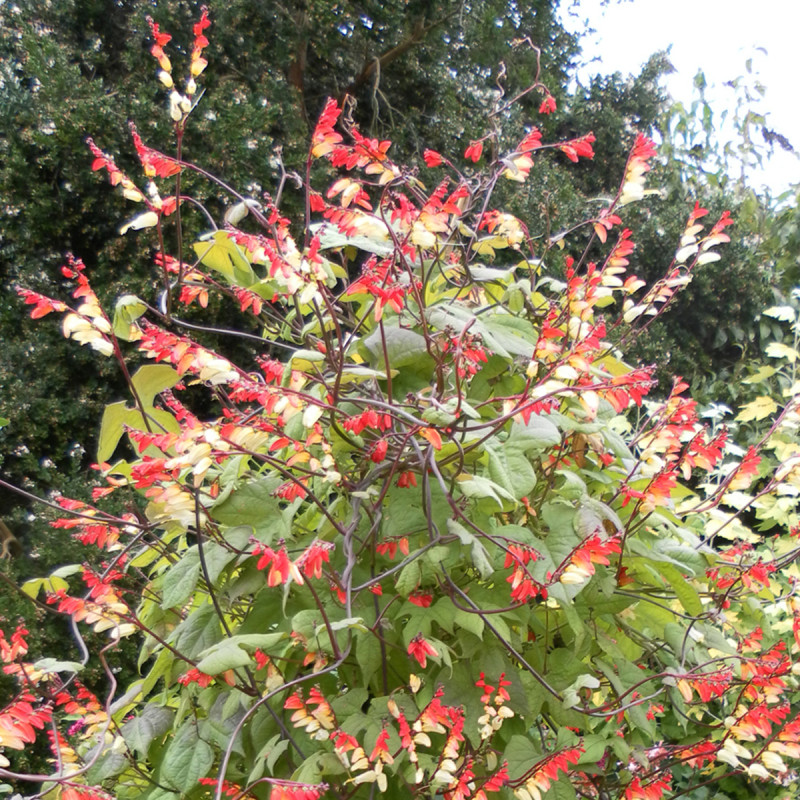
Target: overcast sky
(717, 36)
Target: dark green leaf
(253, 505)
(153, 722)
(180, 580)
(187, 759)
(222, 657)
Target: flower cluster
(180, 104)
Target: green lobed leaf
(221, 657)
(197, 632)
(219, 252)
(521, 755)
(254, 505)
(52, 665)
(478, 487)
(403, 347)
(107, 763)
(127, 310)
(481, 560)
(537, 434)
(408, 578)
(511, 469)
(188, 758)
(684, 591)
(153, 722)
(180, 580)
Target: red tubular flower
(325, 138)
(155, 164)
(746, 472)
(498, 780)
(312, 559)
(195, 676)
(578, 148)
(18, 646)
(378, 452)
(115, 175)
(548, 105)
(291, 790)
(420, 649)
(652, 790)
(474, 152)
(548, 770)
(712, 685)
(198, 63)
(281, 568)
(488, 689)
(381, 750)
(248, 299)
(228, 789)
(532, 141)
(392, 546)
(19, 721)
(431, 435)
(157, 50)
(407, 480)
(380, 282)
(368, 419)
(421, 599)
(633, 183)
(291, 490)
(432, 158)
(261, 659)
(42, 305)
(699, 754)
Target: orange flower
(155, 164)
(195, 676)
(282, 569)
(653, 790)
(198, 63)
(325, 137)
(312, 559)
(381, 750)
(290, 790)
(421, 599)
(431, 435)
(43, 305)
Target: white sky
(717, 36)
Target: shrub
(435, 539)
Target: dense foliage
(424, 79)
(432, 538)
(78, 67)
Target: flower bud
(175, 112)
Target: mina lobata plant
(435, 540)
